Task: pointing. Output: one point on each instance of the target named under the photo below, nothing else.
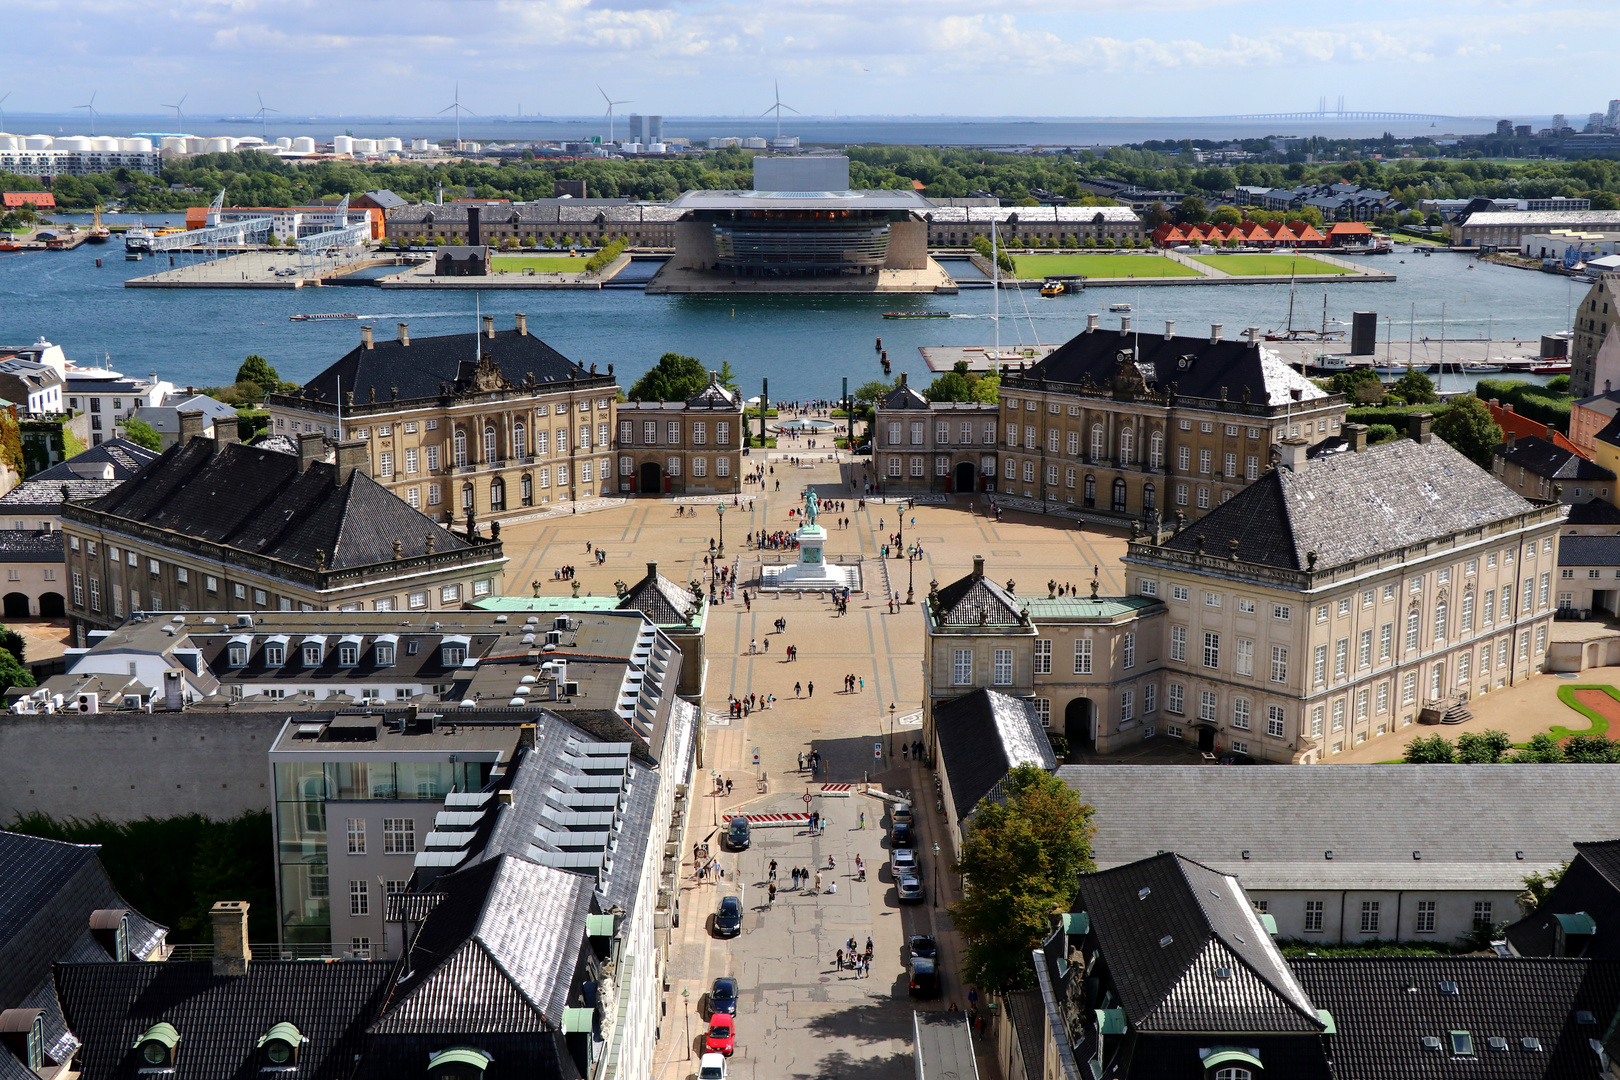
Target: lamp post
(686, 998)
(936, 902)
(720, 508)
(911, 573)
(891, 731)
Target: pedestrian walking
(863, 683)
(905, 751)
(862, 825)
(832, 864)
(812, 689)
(797, 687)
(773, 869)
(728, 785)
(818, 881)
(801, 752)
(772, 892)
(840, 959)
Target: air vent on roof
(1239, 939)
(500, 618)
(1584, 1017)
(1328, 854)
(1167, 939)
(1496, 1042)
(1432, 1042)
(1144, 893)
(1245, 853)
(1215, 894)
(244, 620)
(1518, 855)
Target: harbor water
(804, 344)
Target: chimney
(903, 380)
(1215, 333)
(527, 738)
(351, 456)
(1292, 453)
(231, 949)
(1417, 427)
(311, 448)
(1091, 323)
(522, 321)
(174, 689)
(1512, 441)
(978, 567)
(652, 571)
(404, 333)
(1124, 325)
(1169, 329)
(191, 425)
(1253, 334)
(473, 232)
(365, 337)
(226, 432)
(1357, 434)
(489, 326)
(1551, 431)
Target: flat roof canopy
(803, 200)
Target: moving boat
(886, 315)
(138, 239)
(324, 315)
(1053, 288)
(1119, 307)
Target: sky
(1045, 58)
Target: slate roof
(30, 546)
(903, 397)
(1468, 821)
(982, 735)
(498, 953)
(1174, 985)
(385, 199)
(660, 599)
(714, 396)
(419, 369)
(1591, 512)
(1028, 1016)
(42, 492)
(961, 602)
(1538, 456)
(257, 502)
(1194, 366)
(1348, 507)
(1589, 551)
(1381, 1021)
(221, 1019)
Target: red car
(722, 1037)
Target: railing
(272, 951)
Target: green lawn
(1278, 265)
(1095, 264)
(540, 264)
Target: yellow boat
(1053, 288)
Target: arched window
(467, 496)
(497, 494)
(460, 448)
(1156, 450)
(520, 440)
(1119, 495)
(1468, 610)
(526, 489)
(490, 450)
(1096, 442)
(1149, 499)
(1091, 490)
(1440, 619)
(1127, 445)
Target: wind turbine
(610, 104)
(180, 117)
(264, 120)
(459, 108)
(778, 107)
(92, 109)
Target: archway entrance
(52, 605)
(964, 477)
(1206, 740)
(652, 479)
(1080, 726)
(16, 605)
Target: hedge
(1392, 415)
(1530, 401)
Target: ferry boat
(1053, 288)
(892, 315)
(1119, 307)
(138, 239)
(324, 315)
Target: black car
(901, 835)
(923, 945)
(738, 834)
(924, 977)
(728, 917)
(723, 997)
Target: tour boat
(1555, 366)
(324, 315)
(1053, 288)
(1119, 307)
(906, 315)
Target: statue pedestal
(812, 571)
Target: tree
(1415, 387)
(1226, 215)
(1468, 427)
(1483, 747)
(1537, 885)
(1543, 749)
(985, 389)
(1350, 383)
(13, 642)
(1192, 211)
(948, 387)
(673, 378)
(12, 673)
(1605, 200)
(728, 378)
(1022, 859)
(1592, 750)
(141, 433)
(256, 369)
(1434, 750)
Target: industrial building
(75, 155)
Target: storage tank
(656, 148)
(1364, 333)
(74, 142)
(343, 144)
(135, 146)
(9, 144)
(303, 145)
(196, 145)
(37, 142)
(391, 146)
(365, 146)
(105, 142)
(284, 143)
(419, 144)
(216, 146)
(173, 144)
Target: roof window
(1462, 1044)
(1531, 1043)
(280, 1045)
(1496, 1042)
(1167, 939)
(156, 1046)
(1448, 988)
(1432, 1042)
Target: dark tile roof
(1542, 458)
(1589, 551)
(428, 364)
(220, 1019)
(497, 954)
(30, 546)
(903, 397)
(256, 501)
(1164, 948)
(1611, 432)
(1382, 1020)
(1156, 1057)
(1590, 884)
(80, 386)
(660, 599)
(1593, 512)
(1028, 1016)
(975, 600)
(982, 735)
(1229, 368)
(385, 199)
(714, 396)
(42, 492)
(1347, 507)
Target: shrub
(1381, 433)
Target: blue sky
(849, 57)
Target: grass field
(1094, 264)
(540, 264)
(1278, 265)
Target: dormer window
(155, 1048)
(385, 655)
(280, 1046)
(453, 651)
(237, 652)
(348, 655)
(312, 654)
(382, 650)
(458, 1063)
(23, 1032)
(275, 655)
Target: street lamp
(911, 572)
(720, 508)
(891, 731)
(686, 998)
(936, 903)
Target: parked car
(738, 834)
(728, 917)
(901, 835)
(723, 996)
(901, 813)
(904, 861)
(712, 1067)
(722, 1036)
(909, 890)
(924, 977)
(922, 945)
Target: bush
(1390, 415)
(596, 262)
(1381, 433)
(1542, 404)
(1434, 750)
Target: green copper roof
(1223, 1055)
(546, 603)
(578, 1019)
(285, 1032)
(1076, 922)
(460, 1055)
(1062, 608)
(163, 1033)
